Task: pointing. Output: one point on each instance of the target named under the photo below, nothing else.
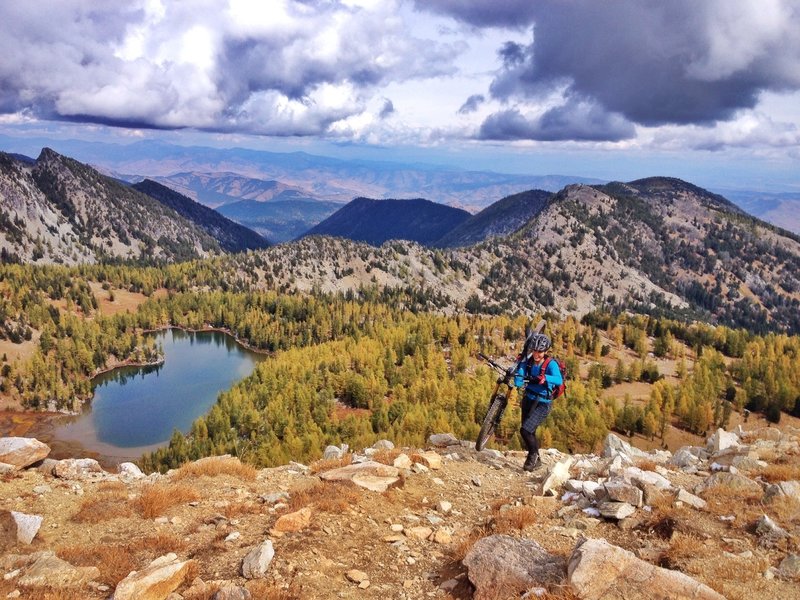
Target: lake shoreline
(44, 425)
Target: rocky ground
(446, 522)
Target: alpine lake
(136, 409)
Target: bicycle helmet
(539, 342)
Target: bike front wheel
(492, 419)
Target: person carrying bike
(536, 400)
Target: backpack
(559, 390)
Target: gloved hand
(539, 379)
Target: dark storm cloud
(471, 105)
(483, 13)
(653, 62)
(572, 121)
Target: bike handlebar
(507, 372)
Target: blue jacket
(535, 391)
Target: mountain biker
(537, 397)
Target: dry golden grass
(742, 504)
(322, 465)
(215, 467)
(781, 472)
(682, 549)
(157, 545)
(157, 498)
(731, 571)
(50, 593)
(387, 457)
(114, 561)
(784, 509)
(645, 464)
(263, 590)
(463, 543)
(332, 497)
(111, 502)
(515, 518)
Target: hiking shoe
(531, 462)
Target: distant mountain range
(232, 237)
(316, 177)
(279, 220)
(376, 221)
(56, 209)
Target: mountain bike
(499, 399)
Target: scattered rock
(155, 582)
(383, 445)
(622, 491)
(600, 570)
(129, 472)
(731, 481)
(402, 462)
(430, 459)
(27, 526)
(421, 533)
(257, 561)
(513, 565)
(296, 521)
(690, 499)
(442, 536)
(442, 440)
(783, 488)
(20, 452)
(77, 468)
(47, 570)
(356, 576)
(557, 476)
(790, 567)
(616, 446)
(332, 453)
(722, 440)
(615, 510)
(374, 483)
(231, 592)
(370, 475)
(769, 532)
(444, 506)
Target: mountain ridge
(60, 210)
(231, 236)
(376, 221)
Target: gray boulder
(511, 566)
(78, 468)
(598, 570)
(442, 440)
(20, 452)
(257, 561)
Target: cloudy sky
(708, 91)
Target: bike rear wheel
(492, 419)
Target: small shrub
(158, 498)
(781, 472)
(333, 497)
(387, 457)
(322, 465)
(264, 590)
(114, 561)
(216, 466)
(515, 518)
(110, 502)
(463, 543)
(681, 550)
(157, 545)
